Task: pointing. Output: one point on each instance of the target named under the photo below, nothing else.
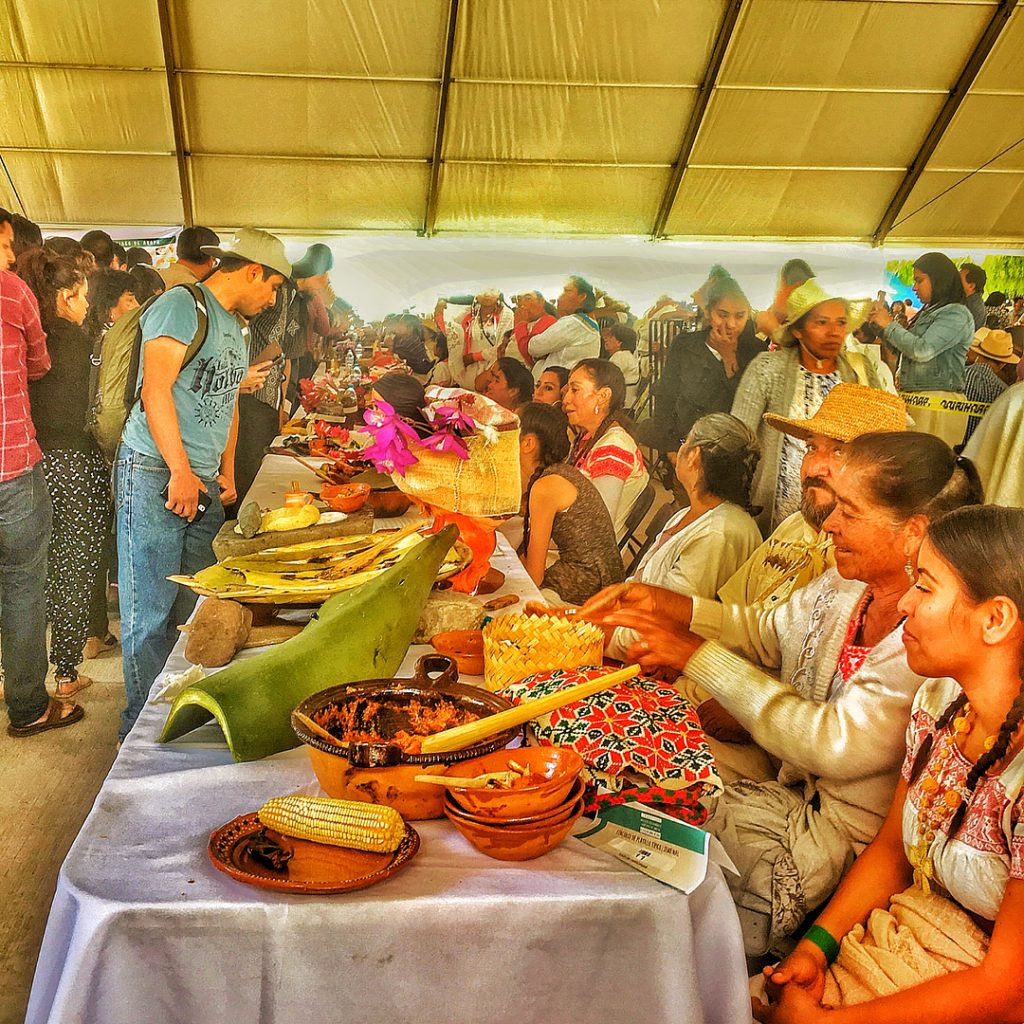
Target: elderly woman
(574, 336)
(703, 545)
(703, 368)
(835, 716)
(793, 381)
(933, 347)
(933, 909)
(605, 450)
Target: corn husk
(312, 572)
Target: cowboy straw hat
(848, 411)
(254, 246)
(994, 344)
(810, 294)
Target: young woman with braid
(933, 909)
(561, 505)
(605, 451)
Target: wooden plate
(314, 868)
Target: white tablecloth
(144, 929)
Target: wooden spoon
(466, 735)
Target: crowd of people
(827, 586)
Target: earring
(909, 569)
(597, 410)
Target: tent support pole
(957, 94)
(442, 115)
(177, 118)
(700, 106)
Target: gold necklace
(937, 802)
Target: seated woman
(605, 451)
(561, 505)
(509, 383)
(703, 545)
(836, 715)
(550, 385)
(933, 909)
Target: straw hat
(994, 344)
(848, 411)
(810, 294)
(255, 246)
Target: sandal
(67, 686)
(55, 718)
(95, 646)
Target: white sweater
(848, 747)
(697, 560)
(565, 343)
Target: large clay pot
(383, 773)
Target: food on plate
(362, 634)
(321, 819)
(217, 632)
(345, 497)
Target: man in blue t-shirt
(177, 450)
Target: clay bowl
(558, 767)
(551, 817)
(345, 497)
(503, 843)
(388, 503)
(464, 646)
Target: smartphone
(201, 507)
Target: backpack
(114, 372)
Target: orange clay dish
(348, 722)
(518, 776)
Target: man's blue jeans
(152, 544)
(25, 522)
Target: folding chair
(640, 508)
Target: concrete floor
(49, 783)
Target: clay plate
(315, 868)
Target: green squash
(359, 634)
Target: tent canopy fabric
(686, 119)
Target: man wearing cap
(177, 450)
(990, 356)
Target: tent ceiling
(561, 118)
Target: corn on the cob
(359, 826)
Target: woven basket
(485, 484)
(517, 646)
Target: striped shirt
(23, 357)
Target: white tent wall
(786, 120)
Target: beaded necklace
(939, 802)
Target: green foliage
(1005, 273)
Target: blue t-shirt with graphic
(205, 391)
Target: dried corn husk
(517, 646)
(310, 573)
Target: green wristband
(824, 941)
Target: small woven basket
(517, 646)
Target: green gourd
(358, 634)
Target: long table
(144, 929)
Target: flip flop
(53, 719)
(77, 684)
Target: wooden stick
(318, 729)
(466, 735)
(469, 782)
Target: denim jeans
(152, 544)
(25, 523)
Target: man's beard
(814, 513)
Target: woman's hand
(879, 315)
(661, 646)
(675, 609)
(795, 1005)
(720, 725)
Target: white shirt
(565, 343)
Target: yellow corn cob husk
(359, 826)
